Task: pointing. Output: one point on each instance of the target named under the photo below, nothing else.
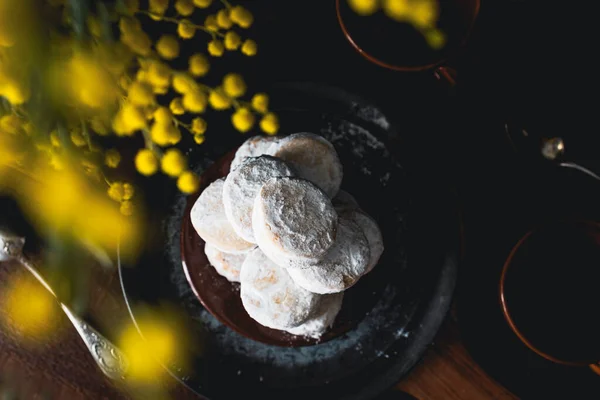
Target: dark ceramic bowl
(403, 301)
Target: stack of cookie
(279, 225)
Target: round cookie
(343, 265)
(371, 231)
(293, 221)
(210, 222)
(329, 308)
(271, 297)
(344, 201)
(313, 158)
(227, 265)
(254, 147)
(242, 186)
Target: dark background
(527, 66)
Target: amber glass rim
(395, 67)
(506, 312)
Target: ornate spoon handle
(108, 357)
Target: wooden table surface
(63, 369)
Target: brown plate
(222, 298)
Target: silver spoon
(109, 358)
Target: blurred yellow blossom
(165, 133)
(90, 83)
(198, 65)
(10, 124)
(126, 208)
(242, 119)
(129, 25)
(54, 139)
(270, 124)
(223, 19)
(198, 125)
(173, 162)
(115, 191)
(216, 48)
(210, 23)
(397, 9)
(128, 191)
(183, 83)
(184, 7)
(186, 29)
(30, 310)
(202, 3)
(57, 162)
(134, 37)
(167, 47)
(163, 115)
(78, 139)
(218, 99)
(241, 16)
(144, 355)
(249, 48)
(234, 85)
(232, 40)
(140, 94)
(159, 74)
(112, 158)
(195, 101)
(103, 86)
(260, 102)
(176, 106)
(188, 182)
(132, 5)
(158, 7)
(364, 7)
(435, 38)
(146, 162)
(128, 120)
(70, 206)
(424, 13)
(99, 126)
(199, 138)
(158, 336)
(14, 91)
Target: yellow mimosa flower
(188, 182)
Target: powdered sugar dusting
(366, 150)
(343, 265)
(371, 114)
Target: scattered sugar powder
(371, 114)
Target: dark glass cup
(549, 292)
(400, 47)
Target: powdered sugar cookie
(227, 265)
(271, 297)
(293, 221)
(343, 265)
(242, 186)
(210, 222)
(371, 231)
(254, 147)
(313, 158)
(316, 326)
(344, 201)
